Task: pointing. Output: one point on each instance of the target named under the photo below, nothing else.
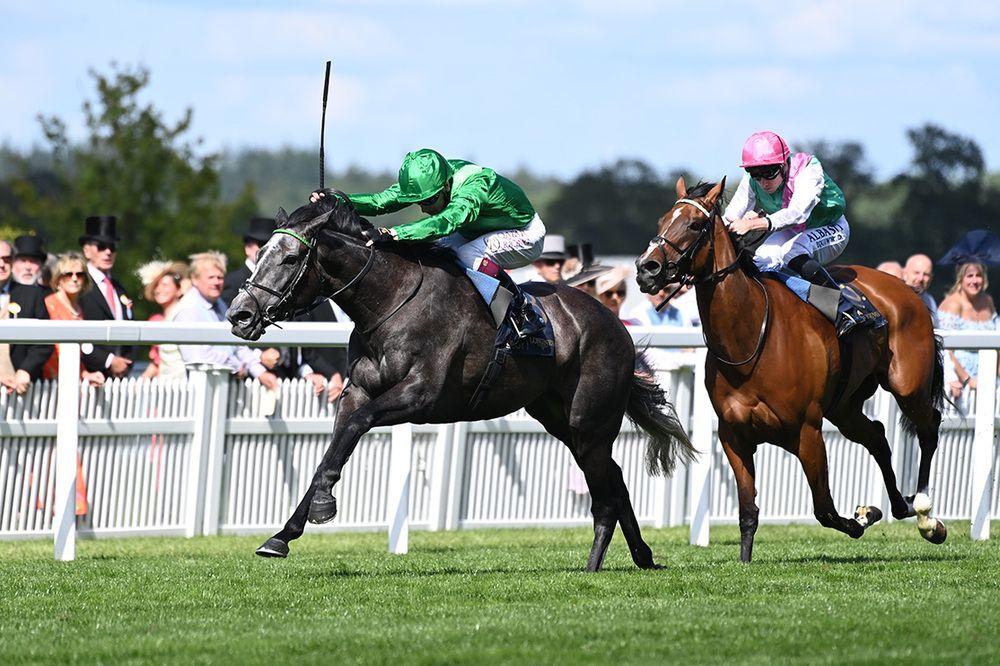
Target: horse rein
(686, 259)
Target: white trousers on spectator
(511, 248)
(824, 244)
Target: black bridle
(284, 306)
(680, 271)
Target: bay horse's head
(682, 248)
(288, 275)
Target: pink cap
(763, 148)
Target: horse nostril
(239, 317)
(650, 267)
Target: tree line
(172, 199)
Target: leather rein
(682, 268)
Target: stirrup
(526, 321)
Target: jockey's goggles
(764, 172)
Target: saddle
(507, 343)
(847, 308)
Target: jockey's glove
(377, 235)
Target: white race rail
(217, 466)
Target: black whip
(322, 127)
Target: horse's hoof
(866, 516)
(935, 533)
(323, 508)
(273, 548)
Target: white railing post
(456, 477)
(888, 415)
(400, 462)
(67, 445)
(217, 402)
(439, 475)
(700, 470)
(983, 444)
(194, 504)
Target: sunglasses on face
(79, 275)
(552, 262)
(620, 293)
(7, 259)
(101, 247)
(764, 172)
(432, 200)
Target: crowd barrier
(214, 454)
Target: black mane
(345, 219)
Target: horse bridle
(269, 316)
(683, 266)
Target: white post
(67, 433)
(440, 474)
(456, 477)
(217, 402)
(700, 471)
(888, 415)
(982, 445)
(194, 498)
(401, 455)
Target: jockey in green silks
(484, 217)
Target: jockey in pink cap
(802, 211)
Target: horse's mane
(745, 257)
(346, 220)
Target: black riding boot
(525, 319)
(852, 309)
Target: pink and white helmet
(764, 148)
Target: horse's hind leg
(857, 427)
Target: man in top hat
(550, 262)
(20, 364)
(107, 300)
(28, 259)
(259, 232)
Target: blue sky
(557, 86)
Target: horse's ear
(281, 217)
(681, 188)
(714, 193)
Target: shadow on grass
(884, 558)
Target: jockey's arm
(464, 207)
(378, 203)
(742, 202)
(808, 188)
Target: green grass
(506, 596)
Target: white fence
(202, 457)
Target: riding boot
(523, 316)
(852, 308)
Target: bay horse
(423, 338)
(775, 367)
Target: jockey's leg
(853, 308)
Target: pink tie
(109, 293)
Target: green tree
(138, 167)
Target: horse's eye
(288, 259)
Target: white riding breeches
(511, 248)
(824, 244)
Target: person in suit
(20, 364)
(257, 234)
(108, 299)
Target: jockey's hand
(749, 222)
(316, 195)
(379, 235)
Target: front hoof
(323, 508)
(866, 516)
(273, 548)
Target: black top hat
(260, 230)
(29, 246)
(100, 229)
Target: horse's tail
(937, 387)
(649, 409)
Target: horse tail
(649, 409)
(937, 387)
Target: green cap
(423, 174)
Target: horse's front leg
(740, 457)
(277, 545)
